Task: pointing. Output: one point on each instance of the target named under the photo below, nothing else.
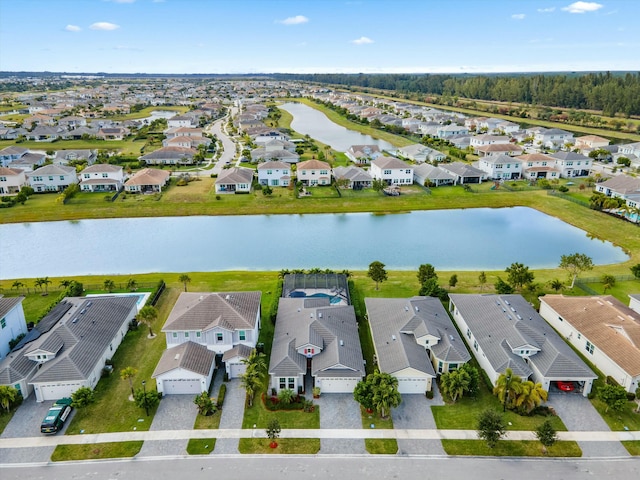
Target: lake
(467, 239)
(309, 121)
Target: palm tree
(254, 373)
(556, 284)
(508, 386)
(608, 282)
(8, 395)
(386, 396)
(17, 285)
(531, 396)
(65, 283)
(184, 279)
(109, 285)
(455, 383)
(148, 315)
(38, 283)
(132, 285)
(46, 282)
(128, 374)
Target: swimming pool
(140, 302)
(333, 299)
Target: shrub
(82, 397)
(221, 393)
(563, 189)
(429, 394)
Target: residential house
(170, 156)
(147, 180)
(69, 347)
(43, 133)
(185, 141)
(627, 149)
(634, 302)
(392, 171)
(538, 165)
(413, 338)
(590, 142)
(553, 138)
(183, 132)
(429, 175)
(80, 133)
(421, 153)
(603, 329)
(485, 139)
(52, 178)
(12, 322)
(70, 122)
(11, 180)
(448, 131)
(281, 155)
(504, 331)
(501, 167)
(63, 157)
(10, 154)
(572, 164)
(274, 174)
(363, 154)
(312, 334)
(10, 133)
(353, 177)
(102, 177)
(234, 180)
(182, 121)
(314, 172)
(620, 186)
(268, 135)
(464, 173)
(112, 133)
(510, 149)
(221, 322)
(29, 161)
(185, 369)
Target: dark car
(56, 416)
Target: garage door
(181, 386)
(57, 391)
(337, 385)
(412, 385)
(236, 369)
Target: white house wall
(15, 325)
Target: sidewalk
(401, 434)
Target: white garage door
(57, 391)
(181, 386)
(236, 369)
(412, 385)
(337, 385)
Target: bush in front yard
(221, 394)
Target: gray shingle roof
(86, 339)
(501, 323)
(203, 311)
(314, 322)
(188, 356)
(8, 303)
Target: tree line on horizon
(609, 92)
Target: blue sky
(309, 36)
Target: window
(561, 319)
(589, 347)
(269, 172)
(105, 175)
(508, 165)
(219, 337)
(475, 345)
(407, 171)
(3, 323)
(468, 333)
(37, 179)
(62, 177)
(498, 165)
(51, 178)
(186, 334)
(439, 367)
(175, 335)
(198, 334)
(86, 175)
(283, 383)
(569, 164)
(3, 179)
(324, 172)
(291, 383)
(387, 172)
(453, 366)
(242, 335)
(579, 336)
(285, 172)
(529, 164)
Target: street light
(144, 398)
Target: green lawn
(632, 446)
(286, 446)
(505, 448)
(201, 446)
(464, 414)
(617, 421)
(259, 415)
(128, 146)
(373, 421)
(211, 422)
(96, 451)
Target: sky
(318, 36)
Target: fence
(568, 197)
(619, 278)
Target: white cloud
(582, 7)
(104, 26)
(297, 20)
(547, 10)
(72, 28)
(518, 16)
(362, 41)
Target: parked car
(56, 416)
(566, 386)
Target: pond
(468, 239)
(309, 121)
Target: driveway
(232, 413)
(415, 413)
(340, 410)
(26, 423)
(578, 414)
(175, 412)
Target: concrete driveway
(26, 423)
(175, 412)
(578, 414)
(415, 413)
(340, 410)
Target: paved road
(290, 467)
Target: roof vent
(177, 357)
(82, 311)
(74, 320)
(417, 309)
(406, 309)
(393, 337)
(202, 297)
(299, 310)
(341, 343)
(89, 303)
(507, 302)
(227, 297)
(319, 314)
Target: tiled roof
(390, 162)
(235, 175)
(203, 311)
(149, 176)
(313, 165)
(188, 356)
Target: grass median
(96, 451)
